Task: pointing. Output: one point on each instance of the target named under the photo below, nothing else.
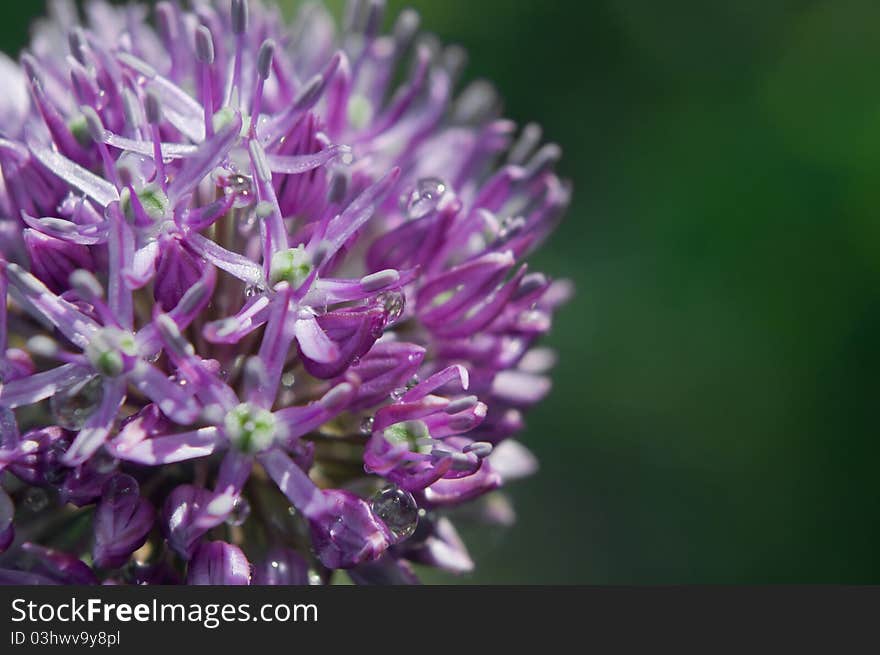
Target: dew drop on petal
(398, 393)
(119, 487)
(73, 405)
(241, 509)
(366, 426)
(288, 379)
(393, 302)
(242, 187)
(510, 227)
(398, 510)
(55, 471)
(135, 572)
(8, 427)
(315, 578)
(424, 198)
(103, 461)
(36, 499)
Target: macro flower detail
(265, 312)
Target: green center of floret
(107, 351)
(250, 429)
(79, 128)
(359, 111)
(292, 266)
(152, 199)
(412, 434)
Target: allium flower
(263, 309)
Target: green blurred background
(713, 413)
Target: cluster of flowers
(262, 314)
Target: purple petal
(41, 465)
(347, 533)
(179, 513)
(359, 211)
(88, 234)
(512, 461)
(7, 513)
(143, 266)
(122, 521)
(298, 164)
(386, 367)
(177, 270)
(386, 570)
(176, 402)
(218, 563)
(443, 549)
(204, 160)
(97, 427)
(39, 386)
(78, 177)
(300, 420)
(352, 332)
(520, 388)
(53, 260)
(233, 263)
(282, 566)
(451, 491)
(250, 317)
(37, 299)
(174, 447)
(60, 566)
(178, 106)
(314, 343)
(455, 373)
(234, 472)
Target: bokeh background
(714, 412)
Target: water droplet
(398, 393)
(366, 426)
(55, 472)
(135, 572)
(251, 290)
(424, 198)
(119, 487)
(242, 187)
(412, 382)
(398, 510)
(288, 379)
(103, 461)
(510, 227)
(315, 578)
(73, 405)
(36, 499)
(355, 361)
(393, 302)
(8, 427)
(291, 510)
(241, 509)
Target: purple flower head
(256, 291)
